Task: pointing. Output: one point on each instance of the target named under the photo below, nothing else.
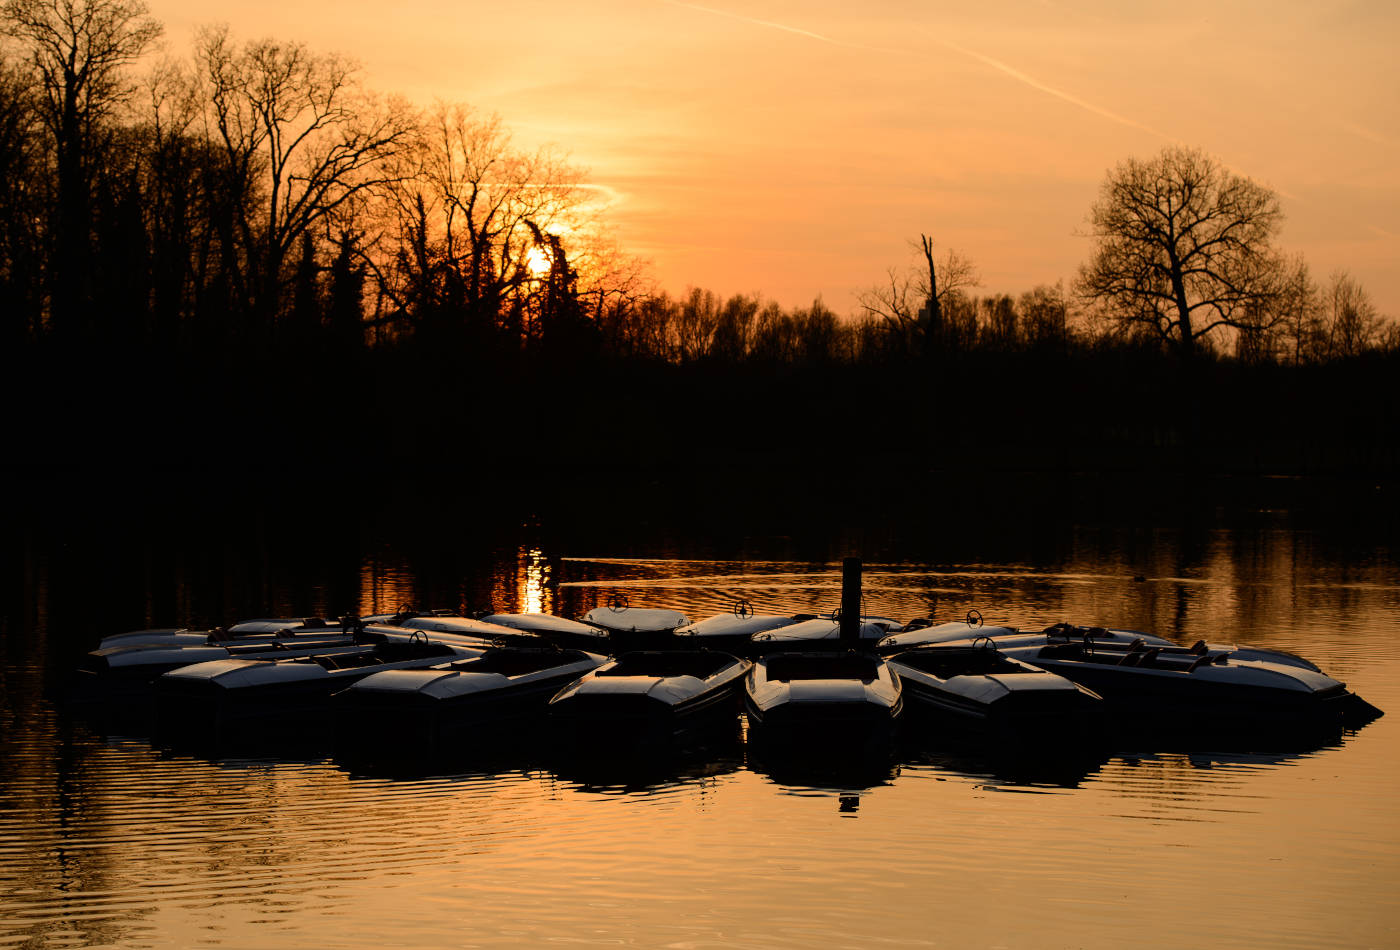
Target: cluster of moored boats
(400, 680)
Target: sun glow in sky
(538, 261)
(795, 148)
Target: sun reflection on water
(532, 575)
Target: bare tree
(470, 223)
(734, 330)
(914, 300)
(608, 277)
(79, 51)
(1298, 336)
(298, 134)
(22, 194)
(1045, 315)
(1183, 247)
(1351, 323)
(1001, 324)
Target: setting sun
(538, 261)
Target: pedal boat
(822, 695)
(977, 688)
(821, 634)
(437, 624)
(269, 630)
(431, 707)
(127, 672)
(734, 632)
(660, 692)
(565, 633)
(636, 628)
(1177, 685)
(240, 691)
(921, 633)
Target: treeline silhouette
(245, 259)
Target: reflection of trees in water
(52, 791)
(116, 832)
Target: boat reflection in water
(812, 763)
(1063, 764)
(695, 756)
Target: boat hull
(650, 695)
(129, 673)
(484, 702)
(980, 692)
(239, 696)
(1179, 687)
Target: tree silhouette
(1183, 247)
(78, 51)
(1352, 324)
(458, 224)
(22, 197)
(299, 135)
(914, 302)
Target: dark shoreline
(128, 413)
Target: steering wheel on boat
(617, 603)
(974, 617)
(418, 638)
(743, 609)
(984, 643)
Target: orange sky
(794, 148)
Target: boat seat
(1137, 651)
(1177, 660)
(1137, 657)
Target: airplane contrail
(1365, 133)
(985, 60)
(771, 25)
(1007, 70)
(1049, 90)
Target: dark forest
(244, 261)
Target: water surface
(106, 840)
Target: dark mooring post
(850, 603)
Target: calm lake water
(106, 840)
